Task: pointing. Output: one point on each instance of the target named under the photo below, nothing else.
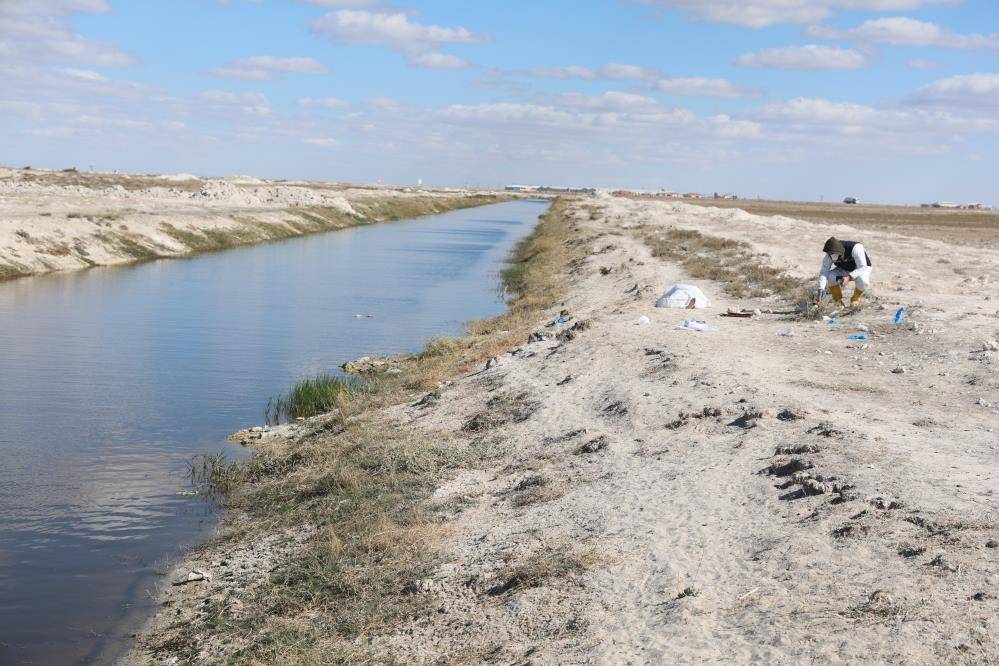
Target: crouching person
(845, 262)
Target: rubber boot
(857, 295)
(836, 292)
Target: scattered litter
(859, 336)
(696, 325)
(643, 321)
(900, 315)
(789, 333)
(744, 314)
(539, 336)
(563, 318)
(683, 296)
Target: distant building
(550, 190)
(693, 195)
(850, 200)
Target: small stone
(992, 543)
(943, 564)
(813, 487)
(194, 576)
(899, 371)
(493, 362)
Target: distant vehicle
(850, 200)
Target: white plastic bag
(684, 296)
(695, 325)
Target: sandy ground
(900, 566)
(657, 452)
(66, 220)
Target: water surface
(112, 378)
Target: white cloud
(251, 103)
(322, 142)
(902, 31)
(762, 13)
(39, 31)
(322, 103)
(393, 30)
(610, 71)
(809, 56)
(342, 4)
(963, 92)
(437, 61)
(85, 74)
(609, 101)
(817, 117)
(702, 87)
(728, 128)
(267, 68)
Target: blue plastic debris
(859, 336)
(900, 315)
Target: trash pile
(683, 296)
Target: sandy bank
(53, 221)
(615, 492)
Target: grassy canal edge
(327, 524)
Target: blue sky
(888, 100)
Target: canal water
(111, 379)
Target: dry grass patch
(540, 568)
(744, 272)
(359, 491)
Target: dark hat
(834, 246)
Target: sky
(886, 100)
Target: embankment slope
(647, 494)
(53, 221)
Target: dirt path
(641, 515)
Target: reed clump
(313, 396)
